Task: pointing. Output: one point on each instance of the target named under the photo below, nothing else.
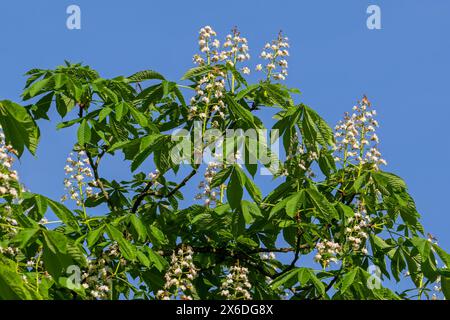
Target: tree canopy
(336, 226)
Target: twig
(94, 166)
(146, 191)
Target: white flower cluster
(211, 88)
(10, 251)
(180, 275)
(9, 180)
(275, 53)
(210, 91)
(356, 140)
(8, 225)
(357, 231)
(96, 280)
(153, 175)
(78, 171)
(235, 48)
(268, 256)
(437, 289)
(209, 194)
(236, 285)
(327, 251)
(207, 45)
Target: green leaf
(38, 88)
(143, 258)
(298, 275)
(11, 285)
(221, 176)
(145, 75)
(445, 285)
(84, 133)
(348, 279)
(244, 92)
(285, 279)
(323, 206)
(126, 248)
(239, 112)
(139, 227)
(315, 129)
(251, 187)
(293, 203)
(140, 118)
(445, 257)
(55, 255)
(389, 180)
(234, 190)
(64, 214)
(24, 236)
(378, 242)
(40, 109)
(423, 246)
(67, 124)
(156, 259)
(104, 113)
(246, 242)
(19, 127)
(197, 71)
(55, 241)
(157, 235)
(277, 94)
(121, 110)
(60, 80)
(94, 235)
(149, 144)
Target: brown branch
(147, 192)
(229, 252)
(141, 197)
(182, 183)
(330, 285)
(94, 166)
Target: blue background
(335, 59)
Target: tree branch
(94, 166)
(141, 197)
(147, 192)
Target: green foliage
(145, 227)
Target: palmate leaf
(19, 127)
(314, 128)
(129, 114)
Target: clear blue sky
(404, 69)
